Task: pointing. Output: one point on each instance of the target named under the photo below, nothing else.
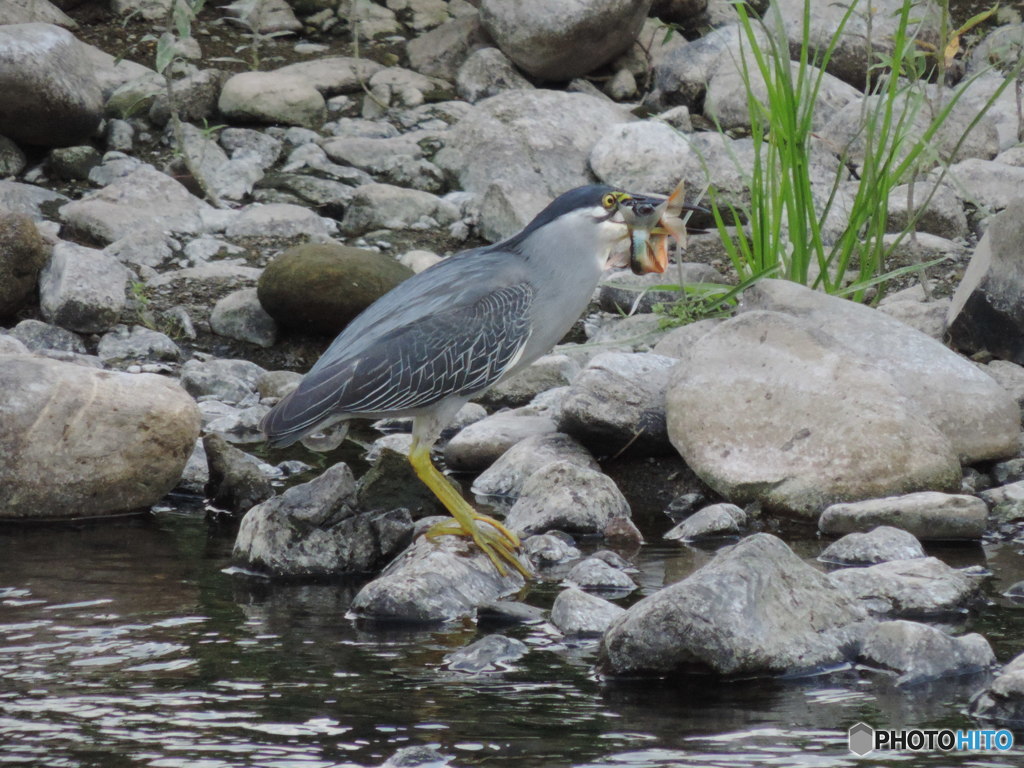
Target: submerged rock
(716, 521)
(918, 653)
(493, 653)
(1003, 701)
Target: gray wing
(458, 351)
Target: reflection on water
(126, 644)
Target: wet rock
(39, 336)
(239, 315)
(715, 521)
(321, 287)
(385, 206)
(546, 550)
(415, 757)
(236, 481)
(493, 653)
(927, 515)
(196, 473)
(391, 483)
(82, 289)
(878, 545)
(333, 75)
(987, 313)
(563, 42)
(51, 97)
(545, 373)
(918, 653)
(566, 497)
(77, 442)
(579, 614)
(503, 613)
(23, 254)
(274, 98)
(434, 581)
(1003, 701)
(488, 72)
(136, 344)
(505, 477)
(481, 444)
(143, 199)
(923, 587)
(519, 149)
(755, 609)
(314, 529)
(617, 402)
(596, 575)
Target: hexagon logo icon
(861, 739)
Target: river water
(132, 642)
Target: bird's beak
(650, 222)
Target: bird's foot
(496, 541)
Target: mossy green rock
(320, 287)
(22, 254)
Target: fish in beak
(651, 221)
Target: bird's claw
(496, 541)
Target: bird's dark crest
(580, 197)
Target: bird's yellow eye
(609, 201)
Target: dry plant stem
(353, 23)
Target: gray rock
(755, 609)
(216, 276)
(579, 614)
(82, 289)
(624, 292)
(1006, 501)
(28, 199)
(493, 653)
(236, 425)
(922, 587)
(546, 550)
(39, 336)
(274, 98)
(391, 483)
(986, 313)
(265, 17)
(9, 345)
(277, 383)
(385, 206)
(1003, 701)
(252, 143)
(240, 316)
(314, 529)
(333, 75)
(397, 88)
(195, 97)
(563, 42)
(28, 11)
(480, 444)
(12, 159)
(505, 477)
(647, 156)
(1010, 377)
(196, 473)
(136, 344)
(433, 582)
(677, 342)
(23, 254)
(229, 381)
(928, 317)
(564, 496)
(596, 575)
(927, 515)
(372, 154)
(236, 481)
(488, 72)
(144, 247)
(618, 402)
(547, 372)
(279, 220)
(503, 613)
(73, 163)
(115, 165)
(77, 442)
(51, 97)
(878, 545)
(441, 51)
(227, 179)
(143, 199)
(1006, 472)
(415, 757)
(919, 654)
(711, 522)
(940, 212)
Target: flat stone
(878, 545)
(928, 515)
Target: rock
(989, 183)
(81, 289)
(919, 588)
(195, 98)
(618, 402)
(227, 179)
(441, 51)
(28, 199)
(488, 72)
(493, 653)
(391, 483)
(314, 529)
(928, 317)
(504, 613)
(927, 515)
(279, 220)
(643, 156)
(879, 545)
(711, 522)
(73, 163)
(505, 477)
(480, 444)
(229, 381)
(51, 97)
(566, 497)
(321, 287)
(940, 213)
(274, 98)
(39, 336)
(249, 142)
(1003, 701)
(595, 575)
(385, 206)
(1010, 377)
(9, 345)
(918, 653)
(546, 550)
(28, 11)
(578, 614)
(236, 481)
(755, 609)
(986, 313)
(265, 18)
(333, 75)
(143, 199)
(23, 254)
(519, 149)
(76, 442)
(543, 374)
(137, 344)
(397, 87)
(277, 383)
(564, 40)
(12, 159)
(677, 342)
(626, 293)
(433, 582)
(236, 425)
(239, 315)
(414, 757)
(1006, 502)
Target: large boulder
(78, 442)
(321, 287)
(50, 95)
(755, 609)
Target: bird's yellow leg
(497, 541)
